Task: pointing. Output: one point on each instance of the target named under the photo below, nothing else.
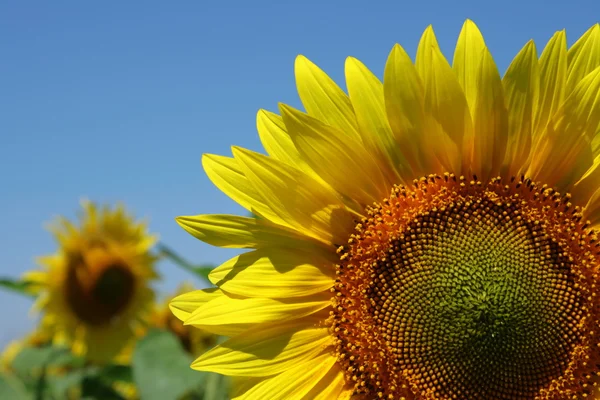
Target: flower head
(433, 236)
(94, 291)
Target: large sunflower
(94, 291)
(417, 239)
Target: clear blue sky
(117, 102)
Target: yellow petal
(582, 108)
(232, 231)
(584, 103)
(443, 93)
(241, 384)
(404, 99)
(521, 85)
(588, 184)
(490, 120)
(592, 210)
(279, 145)
(341, 161)
(37, 277)
(41, 302)
(564, 153)
(265, 350)
(445, 101)
(553, 75)
(277, 141)
(468, 56)
(227, 175)
(480, 81)
(50, 261)
(366, 95)
(275, 274)
(185, 304)
(332, 386)
(596, 143)
(323, 99)
(296, 197)
(293, 384)
(224, 311)
(583, 57)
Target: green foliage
(14, 285)
(95, 388)
(49, 372)
(200, 271)
(13, 389)
(116, 373)
(32, 360)
(161, 368)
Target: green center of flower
(480, 295)
(458, 290)
(98, 296)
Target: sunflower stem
(201, 270)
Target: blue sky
(117, 102)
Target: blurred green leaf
(18, 286)
(97, 381)
(11, 388)
(95, 388)
(116, 373)
(58, 386)
(31, 365)
(201, 270)
(62, 357)
(31, 361)
(161, 368)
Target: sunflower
(94, 291)
(433, 236)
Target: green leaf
(31, 366)
(58, 386)
(116, 373)
(18, 286)
(11, 388)
(95, 388)
(31, 361)
(98, 381)
(201, 270)
(161, 368)
(64, 358)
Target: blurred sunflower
(94, 291)
(416, 238)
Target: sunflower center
(463, 290)
(97, 297)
